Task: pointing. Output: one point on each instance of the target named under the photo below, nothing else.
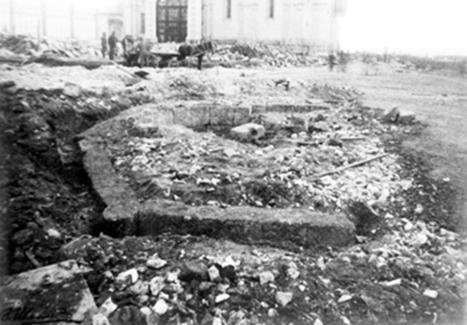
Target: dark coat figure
(343, 60)
(199, 51)
(112, 45)
(104, 45)
(331, 61)
(127, 44)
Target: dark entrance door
(171, 20)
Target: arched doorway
(171, 20)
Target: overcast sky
(414, 26)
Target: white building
(310, 22)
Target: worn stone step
(247, 224)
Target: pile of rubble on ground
(31, 46)
(415, 273)
(243, 54)
(301, 162)
(254, 54)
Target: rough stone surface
(114, 192)
(156, 262)
(392, 115)
(266, 277)
(127, 315)
(246, 224)
(249, 131)
(55, 292)
(112, 189)
(284, 298)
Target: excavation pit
(163, 168)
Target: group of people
(137, 52)
(111, 46)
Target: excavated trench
(157, 173)
(47, 188)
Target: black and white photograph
(233, 162)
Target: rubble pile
(31, 46)
(284, 170)
(411, 273)
(262, 55)
(104, 81)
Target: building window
(229, 9)
(271, 8)
(143, 23)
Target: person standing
(331, 60)
(112, 45)
(127, 44)
(104, 45)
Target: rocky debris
(266, 277)
(55, 292)
(151, 317)
(344, 298)
(193, 271)
(222, 297)
(107, 307)
(27, 45)
(245, 54)
(364, 217)
(318, 127)
(127, 315)
(385, 276)
(407, 118)
(130, 276)
(392, 116)
(214, 273)
(393, 283)
(156, 262)
(430, 293)
(272, 313)
(284, 298)
(283, 176)
(160, 307)
(419, 209)
(72, 90)
(317, 322)
(156, 285)
(249, 132)
(395, 116)
(292, 271)
(100, 319)
(140, 288)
